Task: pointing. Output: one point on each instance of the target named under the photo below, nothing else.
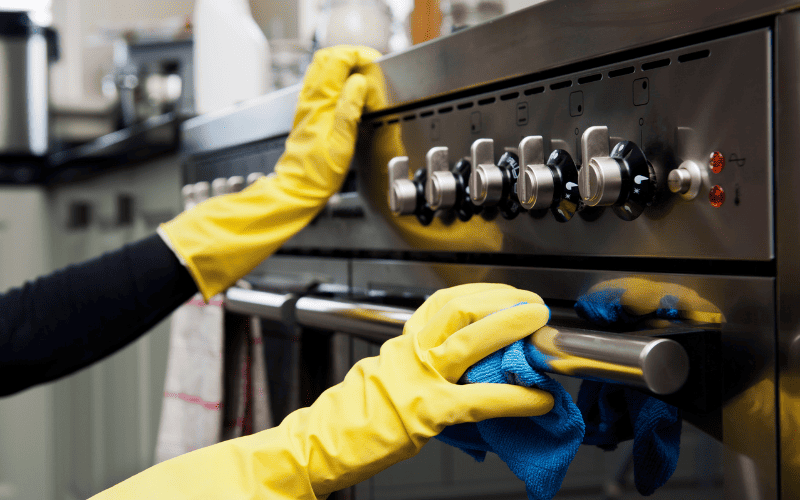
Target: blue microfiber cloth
(537, 449)
(614, 413)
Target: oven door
(714, 371)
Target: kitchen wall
(86, 56)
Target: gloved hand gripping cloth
(223, 238)
(383, 412)
(537, 449)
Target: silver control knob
(251, 178)
(536, 185)
(402, 192)
(686, 180)
(219, 186)
(441, 186)
(201, 191)
(440, 190)
(486, 179)
(235, 184)
(600, 182)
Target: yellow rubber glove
(383, 412)
(224, 238)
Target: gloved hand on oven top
(224, 238)
(383, 412)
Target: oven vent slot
(488, 100)
(561, 85)
(693, 56)
(655, 64)
(621, 72)
(426, 114)
(589, 79)
(512, 95)
(392, 122)
(535, 90)
(446, 109)
(465, 105)
(409, 118)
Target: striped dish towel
(191, 416)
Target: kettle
(26, 49)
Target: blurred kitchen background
(91, 161)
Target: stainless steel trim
(787, 185)
(659, 365)
(373, 322)
(256, 303)
(577, 30)
(261, 118)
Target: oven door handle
(659, 365)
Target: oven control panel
(667, 155)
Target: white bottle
(231, 55)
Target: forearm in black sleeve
(60, 323)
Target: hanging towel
(246, 396)
(190, 415)
(537, 449)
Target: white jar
(357, 22)
(231, 55)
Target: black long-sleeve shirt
(58, 324)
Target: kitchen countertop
(144, 141)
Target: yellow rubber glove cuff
(224, 238)
(383, 412)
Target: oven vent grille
(627, 70)
(535, 90)
(561, 85)
(693, 56)
(655, 64)
(621, 72)
(589, 79)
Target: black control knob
(566, 198)
(464, 207)
(509, 203)
(423, 211)
(622, 179)
(552, 185)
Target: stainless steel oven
(561, 149)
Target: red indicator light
(716, 196)
(716, 162)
